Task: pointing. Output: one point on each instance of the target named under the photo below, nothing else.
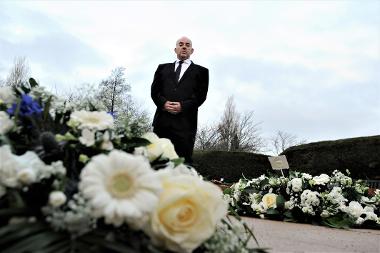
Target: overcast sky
(309, 68)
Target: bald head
(184, 39)
(184, 48)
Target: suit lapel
(187, 72)
(172, 73)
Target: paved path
(297, 238)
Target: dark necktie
(178, 71)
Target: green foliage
(338, 221)
(230, 165)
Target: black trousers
(183, 141)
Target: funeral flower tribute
(71, 181)
(334, 200)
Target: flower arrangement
(337, 200)
(70, 181)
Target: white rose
(5, 123)
(269, 200)
(27, 176)
(57, 198)
(296, 184)
(187, 213)
(159, 146)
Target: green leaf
(9, 212)
(61, 246)
(178, 161)
(337, 221)
(47, 105)
(33, 82)
(280, 201)
(288, 214)
(272, 211)
(227, 191)
(15, 233)
(111, 245)
(35, 242)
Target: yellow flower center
(93, 119)
(120, 185)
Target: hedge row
(361, 156)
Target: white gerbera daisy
(120, 187)
(91, 120)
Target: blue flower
(113, 114)
(28, 107)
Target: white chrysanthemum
(9, 167)
(27, 176)
(321, 180)
(25, 169)
(296, 184)
(106, 143)
(306, 176)
(97, 120)
(5, 123)
(57, 198)
(120, 187)
(6, 95)
(355, 209)
(159, 146)
(88, 137)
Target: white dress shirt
(186, 63)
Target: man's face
(183, 49)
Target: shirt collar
(187, 61)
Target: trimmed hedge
(230, 166)
(361, 156)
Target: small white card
(278, 162)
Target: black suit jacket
(190, 91)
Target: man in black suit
(178, 89)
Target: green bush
(230, 165)
(361, 156)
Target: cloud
(307, 68)
(52, 52)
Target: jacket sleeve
(156, 88)
(200, 94)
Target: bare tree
(234, 132)
(19, 73)
(229, 126)
(207, 138)
(284, 140)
